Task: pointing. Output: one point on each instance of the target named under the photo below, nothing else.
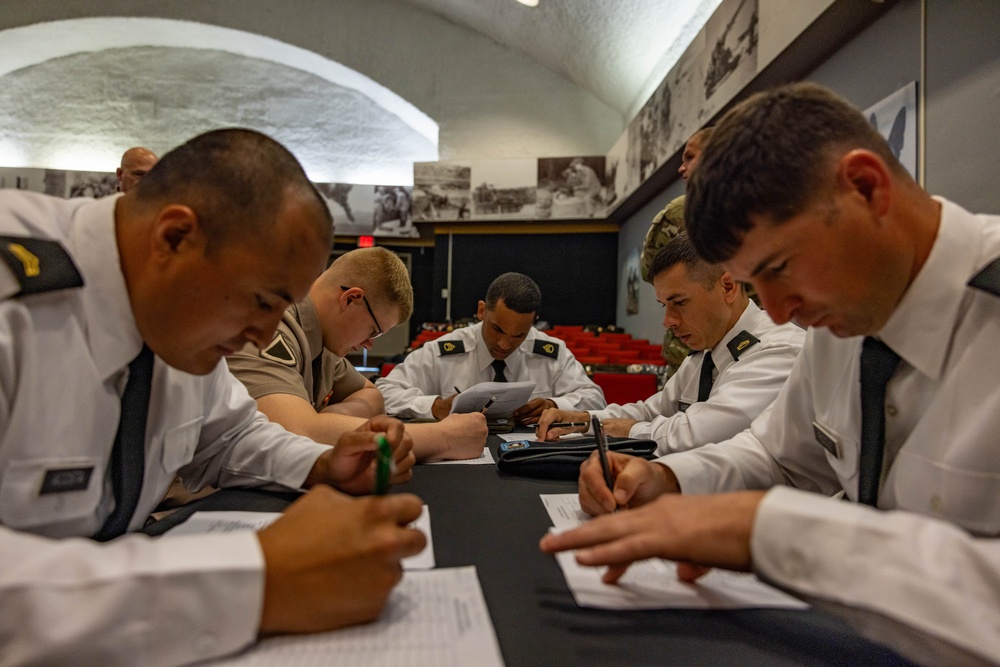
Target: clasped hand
(350, 464)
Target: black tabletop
(493, 521)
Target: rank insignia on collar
(451, 347)
(741, 343)
(39, 265)
(546, 349)
(279, 351)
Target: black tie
(498, 366)
(878, 363)
(128, 456)
(705, 381)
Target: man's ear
(730, 288)
(481, 311)
(349, 295)
(175, 229)
(866, 174)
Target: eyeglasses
(378, 332)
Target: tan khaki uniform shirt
(295, 362)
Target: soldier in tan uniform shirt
(301, 379)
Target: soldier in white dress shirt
(894, 400)
(740, 359)
(504, 346)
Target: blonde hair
(380, 272)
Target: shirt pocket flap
(179, 444)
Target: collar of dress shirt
(924, 320)
(304, 312)
(484, 358)
(112, 334)
(721, 356)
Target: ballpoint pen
(384, 465)
(602, 452)
(488, 404)
(457, 390)
(566, 424)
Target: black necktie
(128, 456)
(878, 363)
(705, 381)
(498, 366)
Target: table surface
(482, 517)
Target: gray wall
(962, 90)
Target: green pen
(383, 465)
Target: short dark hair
(770, 156)
(680, 250)
(236, 181)
(518, 291)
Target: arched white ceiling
(83, 80)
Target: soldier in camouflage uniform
(667, 224)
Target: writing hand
(332, 560)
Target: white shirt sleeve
(134, 600)
(571, 388)
(408, 390)
(926, 573)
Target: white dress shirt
(63, 363)
(932, 560)
(744, 386)
(412, 386)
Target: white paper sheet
(225, 522)
(509, 397)
(653, 583)
(486, 458)
(436, 618)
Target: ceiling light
(529, 3)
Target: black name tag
(62, 480)
(826, 439)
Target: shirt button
(936, 503)
(891, 410)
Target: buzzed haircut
(771, 156)
(518, 291)
(378, 271)
(680, 250)
(701, 136)
(236, 181)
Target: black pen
(488, 404)
(602, 452)
(566, 424)
(457, 390)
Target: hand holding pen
(602, 455)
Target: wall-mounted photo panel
(17, 178)
(571, 187)
(731, 38)
(352, 207)
(630, 278)
(616, 172)
(393, 212)
(441, 191)
(504, 189)
(895, 118)
(60, 182)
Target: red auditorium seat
(624, 388)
